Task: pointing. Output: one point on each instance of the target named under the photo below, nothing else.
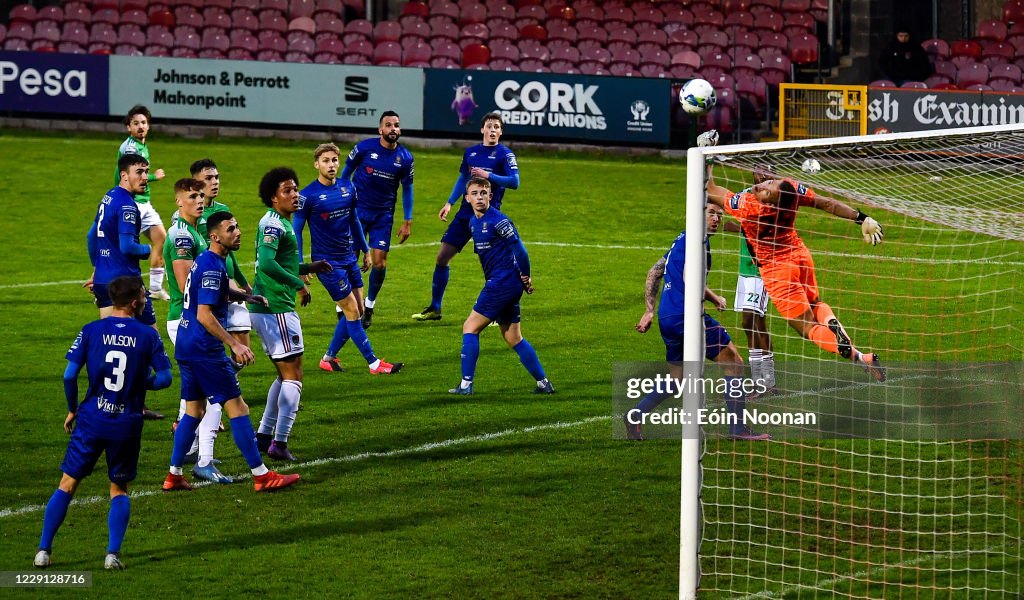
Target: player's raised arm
(717, 194)
(870, 229)
(651, 287)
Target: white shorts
(750, 296)
(149, 217)
(281, 334)
(172, 330)
(238, 318)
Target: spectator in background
(904, 59)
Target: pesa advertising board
(45, 82)
(266, 92)
(552, 106)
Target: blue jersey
(672, 294)
(494, 237)
(207, 283)
(377, 173)
(117, 213)
(118, 354)
(494, 159)
(334, 230)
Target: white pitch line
(860, 575)
(867, 257)
(13, 512)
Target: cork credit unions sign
(266, 92)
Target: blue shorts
(212, 379)
(99, 290)
(84, 451)
(377, 226)
(342, 280)
(458, 233)
(499, 301)
(716, 338)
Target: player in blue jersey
(206, 372)
(490, 160)
(113, 240)
(377, 167)
(718, 346)
(507, 273)
(123, 358)
(328, 206)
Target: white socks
(287, 406)
(269, 420)
(156, 279)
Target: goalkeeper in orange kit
(766, 213)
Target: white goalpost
(912, 487)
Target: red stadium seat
(962, 61)
(445, 49)
(444, 29)
(387, 31)
(747, 65)
(305, 24)
(445, 10)
(76, 33)
(688, 58)
(1006, 71)
(535, 52)
(1001, 50)
(533, 32)
(946, 69)
(914, 85)
(978, 87)
(73, 48)
(676, 17)
(443, 62)
(301, 8)
(731, 6)
(359, 47)
(935, 80)
(131, 37)
(777, 69)
(415, 8)
(770, 21)
(598, 55)
(243, 41)
(361, 26)
(1013, 12)
(754, 89)
(271, 41)
(356, 59)
(803, 49)
(269, 56)
(472, 13)
(475, 54)
(387, 52)
(972, 74)
(992, 30)
(501, 10)
(23, 13)
(416, 53)
(717, 59)
(965, 48)
(936, 48)
(1003, 85)
(714, 38)
(741, 19)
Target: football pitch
(406, 491)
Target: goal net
(907, 488)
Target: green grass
(551, 506)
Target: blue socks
(650, 402)
(438, 286)
(376, 282)
(245, 439)
(341, 336)
(56, 510)
(184, 435)
(358, 335)
(528, 356)
(117, 521)
(735, 402)
(470, 354)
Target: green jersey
(231, 263)
(184, 242)
(748, 268)
(277, 265)
(134, 146)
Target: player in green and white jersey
(238, 324)
(278, 280)
(186, 241)
(137, 122)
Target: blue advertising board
(45, 82)
(548, 105)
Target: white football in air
(810, 166)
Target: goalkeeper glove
(708, 138)
(870, 229)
